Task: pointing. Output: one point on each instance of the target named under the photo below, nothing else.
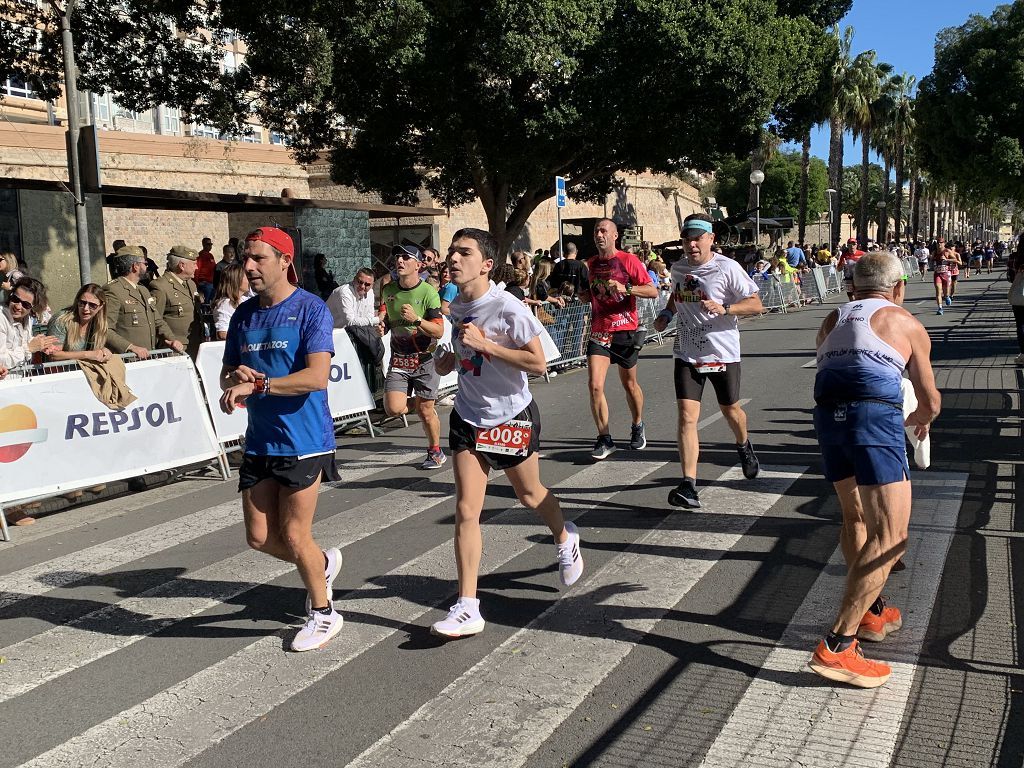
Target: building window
(15, 86)
(172, 121)
(227, 64)
(205, 131)
(278, 138)
(128, 114)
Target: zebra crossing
(488, 701)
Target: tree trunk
(805, 164)
(835, 178)
(883, 218)
(865, 160)
(898, 213)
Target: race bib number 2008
(511, 438)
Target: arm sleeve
(637, 272)
(13, 350)
(522, 325)
(115, 341)
(232, 355)
(222, 315)
(432, 305)
(163, 331)
(318, 330)
(740, 284)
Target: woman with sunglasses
(81, 329)
(17, 344)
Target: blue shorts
(869, 464)
(862, 439)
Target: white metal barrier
(55, 436)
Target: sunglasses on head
(16, 300)
(88, 304)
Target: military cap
(131, 250)
(184, 252)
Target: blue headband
(703, 226)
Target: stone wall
(344, 236)
(49, 246)
(158, 230)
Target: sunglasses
(15, 300)
(405, 256)
(88, 304)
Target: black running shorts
(690, 383)
(462, 437)
(286, 471)
(621, 350)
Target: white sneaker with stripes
(317, 631)
(463, 619)
(331, 572)
(570, 559)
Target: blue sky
(902, 33)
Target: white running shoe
(331, 573)
(463, 619)
(317, 631)
(570, 559)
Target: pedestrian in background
(232, 290)
(81, 329)
(206, 267)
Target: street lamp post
(74, 127)
(830, 192)
(757, 178)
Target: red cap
(279, 239)
(852, 240)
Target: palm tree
(873, 85)
(902, 125)
(848, 100)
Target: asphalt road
(140, 630)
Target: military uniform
(178, 303)
(132, 318)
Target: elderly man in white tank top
(863, 349)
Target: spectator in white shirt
(353, 309)
(232, 290)
(351, 304)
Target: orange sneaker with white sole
(849, 666)
(875, 628)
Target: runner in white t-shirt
(709, 292)
(495, 422)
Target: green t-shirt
(406, 338)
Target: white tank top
(854, 363)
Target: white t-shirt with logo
(491, 392)
(701, 337)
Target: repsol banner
(347, 392)
(56, 436)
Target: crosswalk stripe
(556, 668)
(41, 578)
(781, 722)
(55, 652)
(184, 720)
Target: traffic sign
(560, 198)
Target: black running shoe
(604, 447)
(638, 437)
(684, 495)
(751, 466)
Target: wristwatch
(629, 289)
(726, 308)
(417, 322)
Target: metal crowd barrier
(569, 329)
(32, 370)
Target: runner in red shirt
(617, 278)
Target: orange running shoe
(875, 628)
(849, 666)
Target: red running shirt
(613, 310)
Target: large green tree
(970, 109)
(491, 101)
(144, 52)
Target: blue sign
(560, 198)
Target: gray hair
(571, 248)
(878, 272)
(173, 262)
